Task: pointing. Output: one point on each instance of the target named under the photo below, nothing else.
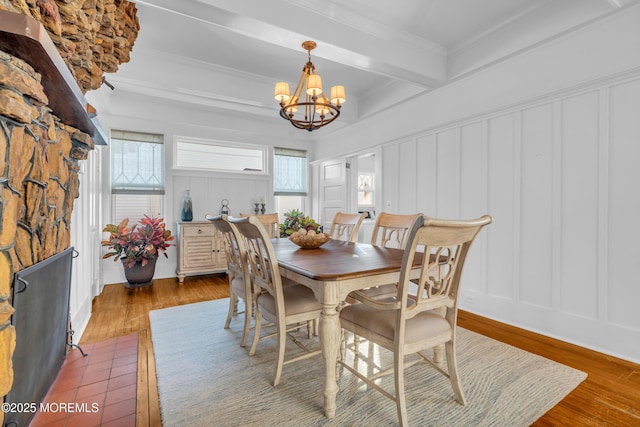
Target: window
(289, 172)
(365, 190)
(202, 154)
(137, 175)
(289, 179)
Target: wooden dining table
(332, 271)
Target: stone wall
(92, 36)
(39, 163)
(39, 154)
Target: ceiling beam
(394, 55)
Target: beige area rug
(206, 379)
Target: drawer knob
(199, 231)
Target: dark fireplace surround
(41, 320)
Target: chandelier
(308, 107)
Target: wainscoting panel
(578, 251)
(203, 190)
(560, 178)
(448, 174)
(426, 174)
(207, 193)
(502, 203)
(391, 185)
(407, 177)
(473, 199)
(472, 171)
(623, 292)
(536, 207)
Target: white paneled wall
(560, 179)
(208, 191)
(622, 193)
(577, 228)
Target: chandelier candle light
(316, 109)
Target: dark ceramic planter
(139, 276)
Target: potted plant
(138, 248)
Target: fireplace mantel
(24, 37)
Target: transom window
(211, 155)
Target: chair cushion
(297, 299)
(383, 322)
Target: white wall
(548, 144)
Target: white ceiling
(226, 55)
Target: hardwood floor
(121, 311)
(610, 396)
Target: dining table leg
(330, 333)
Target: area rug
(205, 378)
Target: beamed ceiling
(224, 56)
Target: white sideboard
(200, 249)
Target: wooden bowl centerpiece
(309, 239)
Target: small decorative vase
(187, 207)
(139, 276)
(262, 209)
(257, 208)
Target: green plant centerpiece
(138, 247)
(302, 230)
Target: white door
(334, 190)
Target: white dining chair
(240, 287)
(345, 226)
(270, 222)
(411, 323)
(293, 305)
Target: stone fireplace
(51, 53)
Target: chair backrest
(263, 265)
(235, 251)
(270, 221)
(345, 226)
(392, 230)
(446, 244)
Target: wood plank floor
(610, 396)
(121, 311)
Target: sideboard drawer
(199, 230)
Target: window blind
(137, 163)
(290, 172)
